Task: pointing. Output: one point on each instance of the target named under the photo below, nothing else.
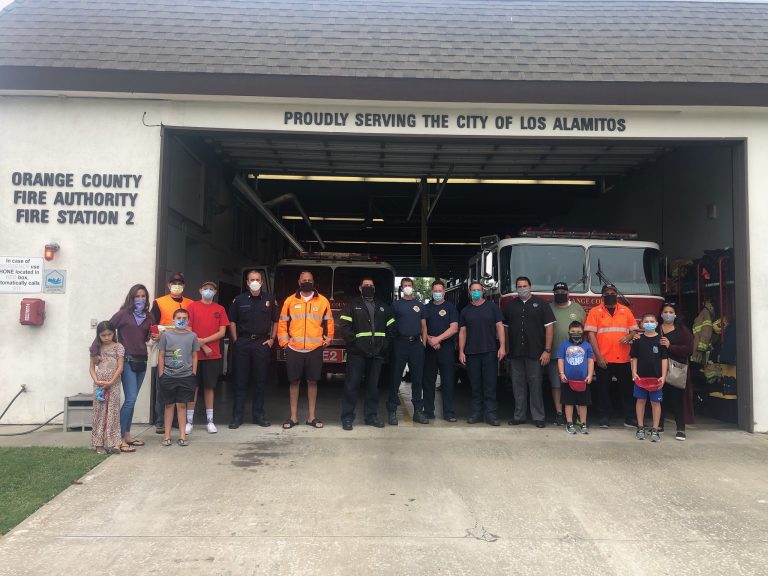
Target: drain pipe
(249, 194)
(291, 197)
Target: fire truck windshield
(544, 265)
(632, 270)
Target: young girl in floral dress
(105, 369)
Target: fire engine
(337, 276)
(584, 259)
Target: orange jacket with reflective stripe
(168, 306)
(609, 329)
(303, 325)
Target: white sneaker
(188, 428)
(212, 428)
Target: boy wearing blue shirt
(575, 363)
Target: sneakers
(604, 423)
(212, 428)
(630, 424)
(559, 419)
(570, 428)
(655, 435)
(640, 434)
(585, 429)
(680, 436)
(188, 428)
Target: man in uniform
(304, 330)
(162, 313)
(611, 327)
(407, 348)
(481, 347)
(367, 326)
(531, 323)
(565, 311)
(253, 319)
(438, 327)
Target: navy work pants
(444, 360)
(251, 370)
(360, 368)
(482, 371)
(412, 353)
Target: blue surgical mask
(437, 296)
(180, 323)
(207, 293)
(649, 326)
(476, 295)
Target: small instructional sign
(55, 281)
(21, 275)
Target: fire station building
(141, 138)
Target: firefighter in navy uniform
(367, 326)
(407, 348)
(253, 319)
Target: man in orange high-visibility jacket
(611, 327)
(305, 328)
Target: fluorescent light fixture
(430, 180)
(332, 218)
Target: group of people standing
(603, 350)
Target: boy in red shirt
(208, 320)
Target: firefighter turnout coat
(363, 337)
(304, 325)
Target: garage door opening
(422, 204)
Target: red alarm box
(32, 312)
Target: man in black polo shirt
(253, 319)
(531, 326)
(481, 346)
(438, 328)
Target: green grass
(30, 477)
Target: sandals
(316, 423)
(127, 447)
(136, 442)
(166, 442)
(288, 424)
(182, 442)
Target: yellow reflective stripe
(363, 334)
(379, 333)
(345, 318)
(390, 321)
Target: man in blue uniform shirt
(253, 319)
(408, 348)
(439, 326)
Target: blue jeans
(131, 386)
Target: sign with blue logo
(55, 281)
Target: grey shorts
(554, 373)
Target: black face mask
(368, 291)
(307, 286)
(561, 298)
(610, 299)
(576, 339)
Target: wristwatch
(547, 350)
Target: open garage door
(422, 205)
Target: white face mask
(207, 294)
(408, 290)
(177, 289)
(255, 285)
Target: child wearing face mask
(575, 363)
(649, 360)
(177, 373)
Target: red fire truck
(337, 277)
(584, 259)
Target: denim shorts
(655, 396)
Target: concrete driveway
(438, 499)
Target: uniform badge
(655, 349)
(442, 313)
(416, 309)
(297, 306)
(314, 308)
(535, 304)
(267, 304)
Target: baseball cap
(178, 277)
(209, 283)
(607, 286)
(560, 286)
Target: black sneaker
(604, 423)
(680, 435)
(630, 423)
(492, 421)
(559, 419)
(347, 424)
(516, 422)
(375, 422)
(392, 418)
(539, 423)
(419, 418)
(473, 419)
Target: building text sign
(497, 123)
(67, 198)
(20, 274)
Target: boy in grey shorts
(176, 370)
